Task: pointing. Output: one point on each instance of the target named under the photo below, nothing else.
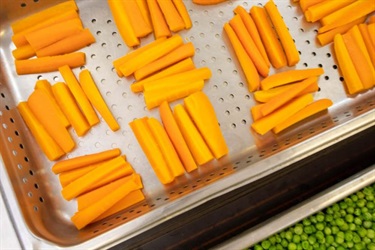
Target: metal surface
(39, 213)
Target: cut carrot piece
(89, 87)
(208, 2)
(176, 137)
(48, 145)
(69, 176)
(180, 67)
(181, 8)
(159, 23)
(85, 160)
(307, 111)
(266, 123)
(367, 39)
(41, 106)
(182, 52)
(202, 112)
(255, 111)
(143, 8)
(23, 52)
(248, 44)
(287, 42)
(151, 150)
(351, 78)
(253, 31)
(49, 63)
(68, 105)
(82, 100)
(289, 76)
(171, 15)
(322, 9)
(305, 4)
(43, 15)
(137, 21)
(193, 138)
(272, 45)
(69, 44)
(123, 24)
(247, 65)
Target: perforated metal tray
(32, 192)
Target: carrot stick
(171, 15)
(44, 37)
(85, 160)
(322, 9)
(305, 4)
(49, 63)
(248, 44)
(208, 2)
(68, 105)
(176, 137)
(255, 111)
(182, 52)
(181, 8)
(69, 44)
(272, 45)
(91, 90)
(123, 24)
(351, 78)
(151, 150)
(159, 23)
(266, 123)
(193, 138)
(151, 55)
(137, 21)
(284, 97)
(143, 8)
(180, 67)
(247, 65)
(307, 111)
(367, 39)
(287, 42)
(202, 112)
(23, 52)
(289, 76)
(166, 147)
(41, 106)
(253, 31)
(82, 100)
(48, 145)
(43, 15)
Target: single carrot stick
(91, 90)
(176, 137)
(193, 138)
(289, 76)
(305, 4)
(253, 31)
(23, 52)
(318, 11)
(68, 105)
(85, 160)
(367, 39)
(44, 37)
(180, 67)
(347, 68)
(247, 65)
(166, 147)
(159, 23)
(123, 23)
(151, 55)
(48, 145)
(43, 15)
(151, 150)
(140, 26)
(249, 45)
(266, 123)
(69, 176)
(181, 8)
(82, 100)
(69, 44)
(143, 8)
(171, 15)
(182, 52)
(284, 97)
(87, 215)
(272, 45)
(255, 111)
(202, 112)
(208, 2)
(286, 39)
(49, 63)
(41, 106)
(309, 110)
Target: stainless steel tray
(32, 192)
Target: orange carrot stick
(171, 15)
(137, 21)
(255, 111)
(143, 8)
(23, 52)
(68, 105)
(159, 23)
(49, 63)
(247, 65)
(48, 145)
(181, 8)
(367, 39)
(322, 9)
(176, 137)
